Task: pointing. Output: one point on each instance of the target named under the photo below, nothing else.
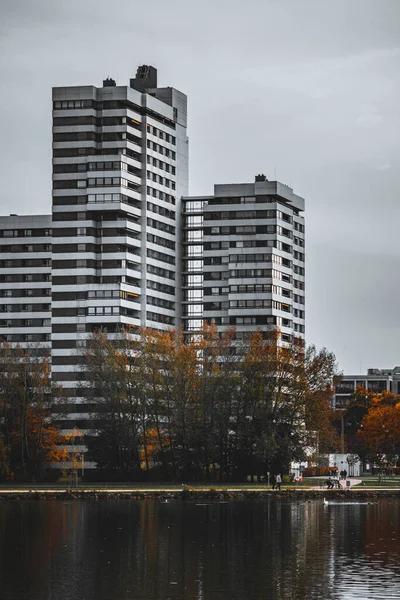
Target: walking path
(322, 484)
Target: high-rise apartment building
(120, 167)
(244, 259)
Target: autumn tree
(380, 429)
(285, 400)
(28, 440)
(110, 384)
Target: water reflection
(240, 550)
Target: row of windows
(298, 327)
(115, 165)
(26, 337)
(101, 310)
(95, 248)
(160, 287)
(298, 227)
(238, 258)
(161, 195)
(21, 293)
(77, 121)
(298, 241)
(25, 322)
(299, 270)
(241, 200)
(161, 256)
(90, 151)
(84, 263)
(160, 302)
(93, 294)
(151, 316)
(71, 104)
(105, 198)
(298, 313)
(253, 258)
(13, 233)
(111, 181)
(25, 307)
(25, 262)
(163, 135)
(156, 239)
(161, 180)
(98, 138)
(248, 304)
(85, 279)
(161, 149)
(70, 216)
(247, 230)
(160, 210)
(241, 244)
(25, 248)
(160, 272)
(259, 303)
(298, 299)
(300, 285)
(246, 214)
(161, 226)
(93, 232)
(95, 311)
(245, 273)
(22, 278)
(259, 288)
(160, 164)
(298, 255)
(255, 320)
(78, 136)
(114, 105)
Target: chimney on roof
(146, 78)
(109, 82)
(261, 177)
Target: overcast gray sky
(307, 91)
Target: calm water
(247, 550)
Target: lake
(247, 550)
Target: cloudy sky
(305, 91)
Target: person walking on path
(278, 482)
(273, 481)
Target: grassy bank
(190, 493)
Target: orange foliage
(41, 440)
(150, 447)
(381, 425)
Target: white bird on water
(325, 501)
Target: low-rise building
(375, 380)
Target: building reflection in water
(122, 550)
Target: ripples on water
(244, 550)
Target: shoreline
(193, 494)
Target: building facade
(375, 380)
(244, 259)
(25, 281)
(120, 167)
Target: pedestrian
(273, 481)
(344, 474)
(278, 482)
(329, 483)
